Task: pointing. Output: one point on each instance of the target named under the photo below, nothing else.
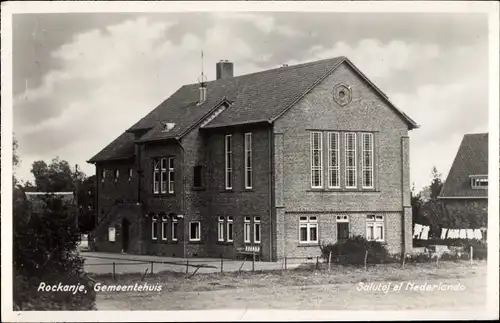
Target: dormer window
(479, 181)
(167, 126)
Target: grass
(302, 276)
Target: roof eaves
(267, 121)
(215, 107)
(101, 160)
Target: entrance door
(342, 228)
(125, 234)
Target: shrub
(45, 252)
(352, 251)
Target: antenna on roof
(202, 79)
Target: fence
(191, 266)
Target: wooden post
(253, 261)
(471, 255)
(366, 256)
(221, 264)
(151, 268)
(187, 266)
(285, 262)
(404, 259)
(317, 262)
(330, 261)
(114, 270)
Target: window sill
(160, 195)
(198, 188)
(195, 242)
(342, 190)
(225, 243)
(308, 244)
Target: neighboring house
(277, 161)
(466, 187)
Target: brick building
(465, 190)
(277, 161)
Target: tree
(436, 184)
(44, 252)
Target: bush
(45, 252)
(352, 252)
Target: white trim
(247, 236)
(154, 227)
(156, 170)
(220, 229)
(163, 175)
(309, 222)
(354, 166)
(248, 153)
(213, 115)
(316, 168)
(228, 157)
(363, 151)
(229, 223)
(171, 175)
(333, 168)
(174, 229)
(164, 228)
(256, 223)
(198, 231)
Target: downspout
(183, 196)
(271, 195)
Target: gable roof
(120, 148)
(471, 159)
(255, 97)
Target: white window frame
(220, 229)
(247, 226)
(343, 219)
(103, 175)
(256, 228)
(154, 227)
(198, 231)
(117, 174)
(164, 228)
(156, 170)
(333, 137)
(171, 174)
(348, 167)
(248, 161)
(476, 179)
(316, 168)
(229, 233)
(228, 157)
(364, 151)
(175, 225)
(130, 174)
(375, 221)
(309, 222)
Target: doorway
(125, 234)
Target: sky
(81, 79)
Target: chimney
(224, 69)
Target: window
(350, 160)
(156, 176)
(220, 229)
(248, 160)
(375, 227)
(479, 182)
(154, 227)
(112, 234)
(367, 161)
(256, 229)
(194, 231)
(117, 175)
(229, 162)
(175, 227)
(171, 175)
(163, 175)
(130, 174)
(342, 227)
(197, 176)
(333, 160)
(164, 227)
(316, 160)
(308, 229)
(229, 234)
(246, 229)
(103, 175)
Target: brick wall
(318, 111)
